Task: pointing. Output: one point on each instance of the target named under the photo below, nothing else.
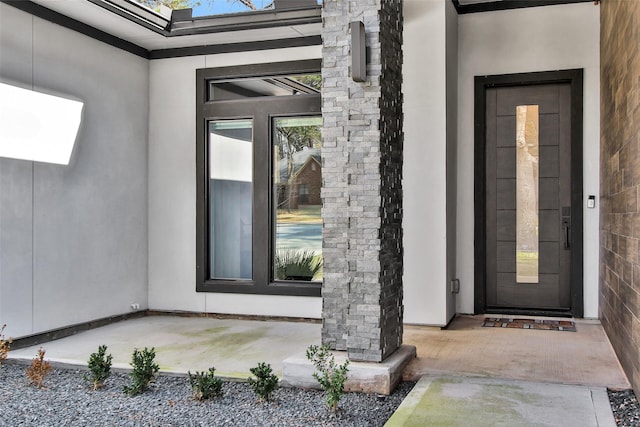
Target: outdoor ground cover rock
(625, 407)
(68, 400)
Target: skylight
(203, 8)
(221, 7)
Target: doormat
(544, 325)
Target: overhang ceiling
(126, 24)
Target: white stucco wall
(426, 287)
(73, 238)
(172, 191)
(452, 150)
(526, 40)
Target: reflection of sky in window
(220, 7)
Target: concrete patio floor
(186, 344)
(459, 367)
(465, 347)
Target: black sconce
(358, 52)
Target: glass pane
(527, 194)
(297, 180)
(221, 90)
(231, 199)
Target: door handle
(566, 229)
(566, 226)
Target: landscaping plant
(144, 371)
(39, 369)
(265, 381)
(330, 376)
(5, 345)
(205, 385)
(100, 367)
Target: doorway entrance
(528, 208)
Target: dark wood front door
(529, 208)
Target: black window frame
(262, 110)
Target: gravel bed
(625, 407)
(67, 400)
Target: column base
(364, 377)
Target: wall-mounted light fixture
(358, 52)
(36, 126)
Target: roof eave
(246, 21)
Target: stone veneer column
(362, 181)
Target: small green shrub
(205, 385)
(39, 369)
(144, 371)
(100, 367)
(265, 381)
(330, 376)
(5, 345)
(297, 264)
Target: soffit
(102, 19)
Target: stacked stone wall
(391, 151)
(362, 181)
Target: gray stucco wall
(73, 239)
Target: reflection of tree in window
(298, 181)
(527, 193)
(292, 140)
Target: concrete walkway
(474, 376)
(469, 375)
(479, 402)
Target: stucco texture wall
(172, 191)
(73, 239)
(521, 41)
(428, 79)
(620, 178)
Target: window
(303, 194)
(230, 194)
(259, 175)
(297, 223)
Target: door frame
(573, 77)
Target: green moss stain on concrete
(237, 349)
(216, 340)
(449, 403)
(233, 344)
(244, 338)
(205, 332)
